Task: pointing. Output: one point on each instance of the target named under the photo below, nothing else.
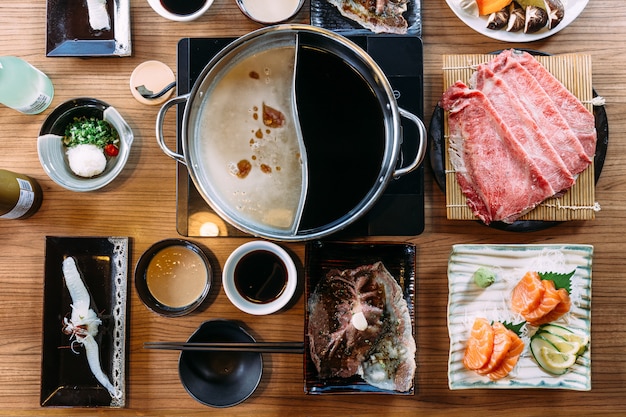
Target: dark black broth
(343, 130)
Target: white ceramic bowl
(243, 303)
(163, 12)
(52, 151)
(270, 12)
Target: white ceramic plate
(573, 8)
(467, 301)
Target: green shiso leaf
(515, 328)
(560, 280)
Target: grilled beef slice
(359, 323)
(337, 346)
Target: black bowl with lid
(220, 378)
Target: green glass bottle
(20, 195)
(24, 87)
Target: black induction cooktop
(400, 209)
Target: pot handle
(159, 127)
(421, 150)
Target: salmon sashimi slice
(501, 346)
(561, 309)
(527, 294)
(480, 345)
(511, 358)
(551, 298)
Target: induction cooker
(400, 209)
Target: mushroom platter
(528, 16)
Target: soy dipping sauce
(183, 7)
(260, 276)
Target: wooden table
(141, 204)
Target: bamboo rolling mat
(578, 203)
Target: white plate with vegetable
(468, 12)
(483, 280)
(84, 323)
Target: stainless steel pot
(208, 136)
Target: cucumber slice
(560, 343)
(556, 329)
(537, 343)
(566, 334)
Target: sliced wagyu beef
(525, 130)
(579, 119)
(547, 114)
(517, 136)
(498, 177)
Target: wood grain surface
(141, 204)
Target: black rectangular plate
(66, 379)
(68, 32)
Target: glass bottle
(20, 195)
(24, 87)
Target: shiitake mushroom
(555, 11)
(498, 20)
(536, 18)
(529, 15)
(516, 19)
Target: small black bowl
(220, 379)
(141, 282)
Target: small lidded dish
(269, 12)
(220, 378)
(173, 277)
(84, 144)
(260, 277)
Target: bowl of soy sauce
(260, 277)
(181, 11)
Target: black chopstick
(261, 347)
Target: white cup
(270, 11)
(253, 248)
(157, 6)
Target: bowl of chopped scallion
(84, 144)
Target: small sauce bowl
(173, 277)
(259, 277)
(166, 9)
(270, 11)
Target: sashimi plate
(467, 301)
(573, 8)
